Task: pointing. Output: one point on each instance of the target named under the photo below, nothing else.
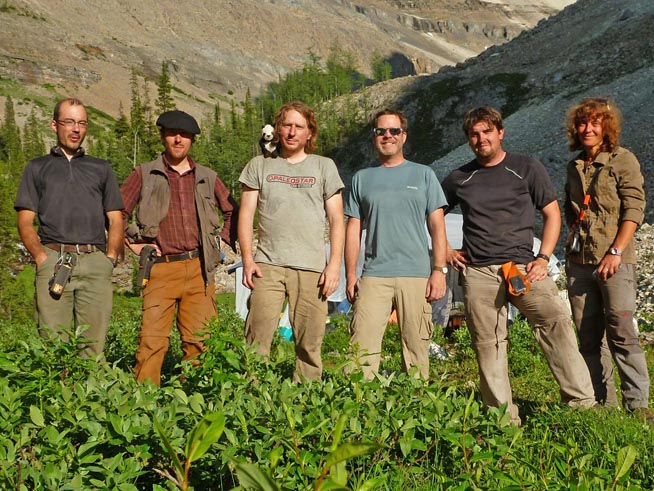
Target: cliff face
(218, 49)
(591, 48)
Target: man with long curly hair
(292, 194)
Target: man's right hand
(136, 248)
(351, 288)
(457, 258)
(41, 258)
(250, 271)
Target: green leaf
(625, 459)
(350, 450)
(196, 401)
(37, 416)
(374, 483)
(169, 449)
(330, 485)
(275, 455)
(338, 431)
(338, 473)
(251, 477)
(206, 433)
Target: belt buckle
(86, 248)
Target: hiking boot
(645, 415)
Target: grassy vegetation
(67, 423)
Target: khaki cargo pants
(485, 302)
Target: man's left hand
(329, 279)
(435, 286)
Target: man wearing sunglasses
(74, 195)
(393, 199)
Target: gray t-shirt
(499, 206)
(392, 204)
(292, 209)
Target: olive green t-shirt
(292, 209)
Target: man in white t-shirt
(292, 194)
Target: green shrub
(67, 423)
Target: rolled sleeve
(631, 190)
(229, 208)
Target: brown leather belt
(171, 258)
(78, 248)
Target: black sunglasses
(382, 131)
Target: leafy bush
(67, 423)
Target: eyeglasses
(382, 131)
(70, 123)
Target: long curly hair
(594, 108)
(307, 113)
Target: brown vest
(154, 202)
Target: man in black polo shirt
(499, 193)
(74, 196)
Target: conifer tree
(11, 148)
(33, 145)
(12, 163)
(381, 69)
(165, 100)
(144, 137)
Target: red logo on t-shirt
(294, 182)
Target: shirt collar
(191, 162)
(56, 150)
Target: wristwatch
(615, 251)
(442, 269)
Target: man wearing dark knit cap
(175, 203)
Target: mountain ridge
(216, 50)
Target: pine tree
(165, 100)
(11, 148)
(382, 70)
(144, 137)
(33, 145)
(12, 162)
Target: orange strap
(510, 270)
(582, 211)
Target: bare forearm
(625, 234)
(336, 240)
(29, 237)
(436, 225)
(115, 235)
(245, 229)
(352, 246)
(551, 228)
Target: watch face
(615, 252)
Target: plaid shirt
(179, 231)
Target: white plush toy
(269, 148)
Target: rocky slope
(592, 47)
(217, 49)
